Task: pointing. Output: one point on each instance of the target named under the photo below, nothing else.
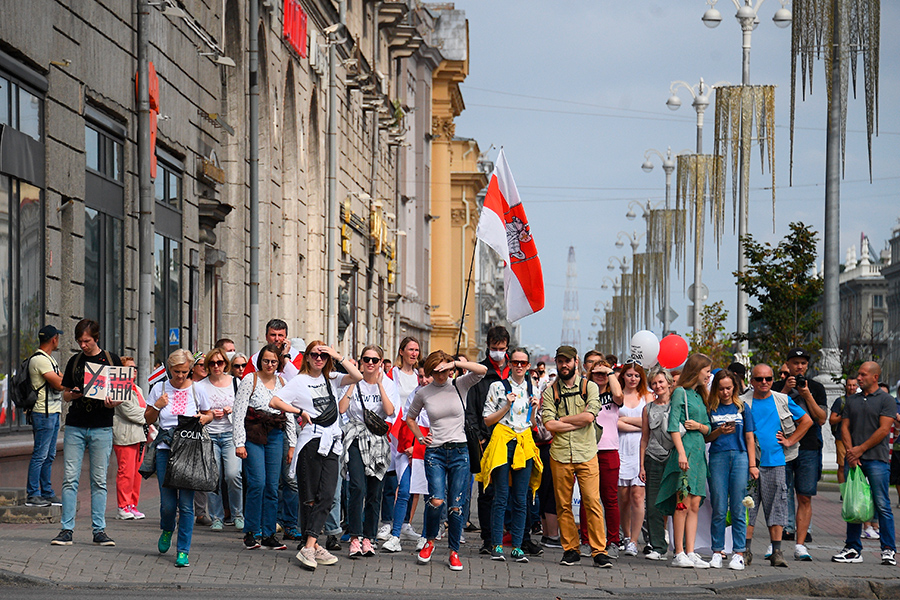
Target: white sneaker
(716, 561)
(681, 560)
(384, 532)
(768, 552)
(408, 533)
(441, 532)
(697, 561)
(631, 549)
(654, 555)
(737, 562)
(871, 534)
(801, 553)
(420, 543)
(392, 545)
(124, 514)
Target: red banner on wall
(294, 31)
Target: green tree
(712, 340)
(778, 278)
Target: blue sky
(577, 94)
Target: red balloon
(673, 351)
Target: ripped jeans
(447, 472)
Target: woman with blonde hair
(656, 446)
(732, 451)
(178, 396)
(683, 485)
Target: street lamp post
(747, 18)
(623, 263)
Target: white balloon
(645, 348)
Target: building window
(168, 186)
(167, 296)
(104, 230)
(877, 301)
(877, 328)
(21, 282)
(20, 109)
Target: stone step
(12, 496)
(30, 514)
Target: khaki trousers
(588, 475)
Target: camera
(801, 381)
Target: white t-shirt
(305, 392)
(219, 398)
(188, 402)
(406, 384)
(371, 397)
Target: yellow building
(455, 184)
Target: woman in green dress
(688, 424)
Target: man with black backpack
(45, 380)
(89, 425)
(569, 410)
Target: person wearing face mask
(497, 364)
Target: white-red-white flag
(504, 227)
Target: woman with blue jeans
(732, 450)
(221, 387)
(511, 454)
(447, 454)
(258, 438)
(176, 397)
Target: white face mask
(497, 356)
(230, 355)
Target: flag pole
(462, 319)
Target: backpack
(21, 392)
(582, 390)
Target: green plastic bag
(858, 506)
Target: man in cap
(569, 410)
(46, 379)
(803, 473)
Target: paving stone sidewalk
(219, 559)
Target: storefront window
(104, 276)
(167, 296)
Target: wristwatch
(421, 439)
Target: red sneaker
(425, 553)
(455, 563)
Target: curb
(9, 578)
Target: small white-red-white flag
(504, 227)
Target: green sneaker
(182, 560)
(497, 553)
(165, 542)
(518, 555)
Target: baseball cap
(797, 353)
(48, 332)
(567, 351)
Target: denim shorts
(805, 472)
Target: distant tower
(571, 332)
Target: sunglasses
(518, 363)
(317, 356)
(762, 379)
(372, 360)
(784, 374)
(270, 361)
(239, 365)
(217, 363)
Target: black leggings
(545, 493)
(317, 477)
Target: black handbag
(374, 423)
(473, 441)
(326, 407)
(192, 462)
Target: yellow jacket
(495, 455)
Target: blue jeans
(878, 473)
(230, 470)
(333, 522)
(364, 506)
(263, 469)
(728, 473)
(402, 502)
(514, 495)
(46, 431)
(97, 441)
(288, 494)
(172, 500)
(446, 470)
(388, 493)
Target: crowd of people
(326, 449)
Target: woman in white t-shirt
(221, 387)
(166, 402)
(404, 373)
(366, 456)
(633, 380)
(312, 396)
